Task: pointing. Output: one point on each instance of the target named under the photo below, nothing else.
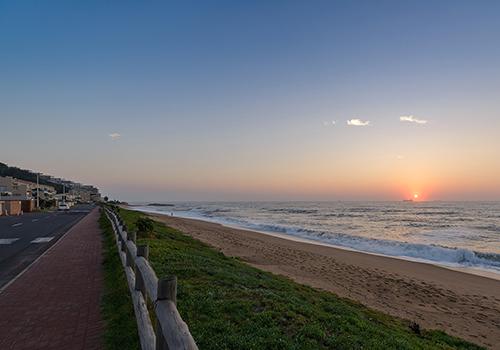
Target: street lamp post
(37, 191)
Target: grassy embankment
(117, 308)
(231, 305)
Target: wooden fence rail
(171, 333)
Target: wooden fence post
(167, 289)
(130, 259)
(132, 236)
(161, 343)
(142, 250)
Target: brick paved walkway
(55, 304)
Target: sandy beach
(461, 304)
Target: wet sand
(461, 304)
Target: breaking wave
(424, 252)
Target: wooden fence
(171, 332)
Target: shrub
(144, 226)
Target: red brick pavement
(55, 304)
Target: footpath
(55, 304)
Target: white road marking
(8, 240)
(42, 240)
(18, 224)
(34, 220)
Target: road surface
(24, 238)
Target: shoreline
(483, 272)
(486, 273)
(462, 304)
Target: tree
(106, 198)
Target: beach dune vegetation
(144, 226)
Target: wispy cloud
(329, 123)
(358, 122)
(115, 136)
(412, 119)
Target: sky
(255, 100)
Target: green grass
(117, 308)
(228, 304)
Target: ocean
(454, 234)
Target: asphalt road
(24, 238)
